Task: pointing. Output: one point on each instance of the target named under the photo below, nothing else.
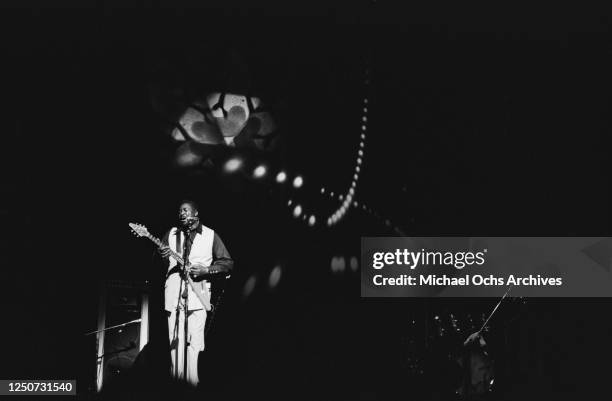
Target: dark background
(483, 121)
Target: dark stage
(398, 121)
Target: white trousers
(195, 343)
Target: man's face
(186, 210)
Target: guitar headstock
(139, 230)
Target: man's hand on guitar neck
(164, 251)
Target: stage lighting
(259, 171)
(298, 182)
(249, 286)
(275, 276)
(297, 211)
(338, 264)
(281, 177)
(354, 264)
(312, 220)
(232, 165)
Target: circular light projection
(338, 264)
(232, 165)
(249, 286)
(312, 220)
(298, 182)
(275, 276)
(354, 264)
(281, 177)
(297, 211)
(259, 171)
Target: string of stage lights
(347, 198)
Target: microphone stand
(113, 327)
(184, 294)
(186, 250)
(176, 328)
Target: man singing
(206, 255)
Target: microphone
(187, 221)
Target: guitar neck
(175, 255)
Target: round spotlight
(232, 165)
(297, 211)
(259, 171)
(249, 286)
(298, 181)
(354, 264)
(338, 264)
(312, 220)
(275, 276)
(281, 177)
(322, 190)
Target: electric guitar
(141, 231)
